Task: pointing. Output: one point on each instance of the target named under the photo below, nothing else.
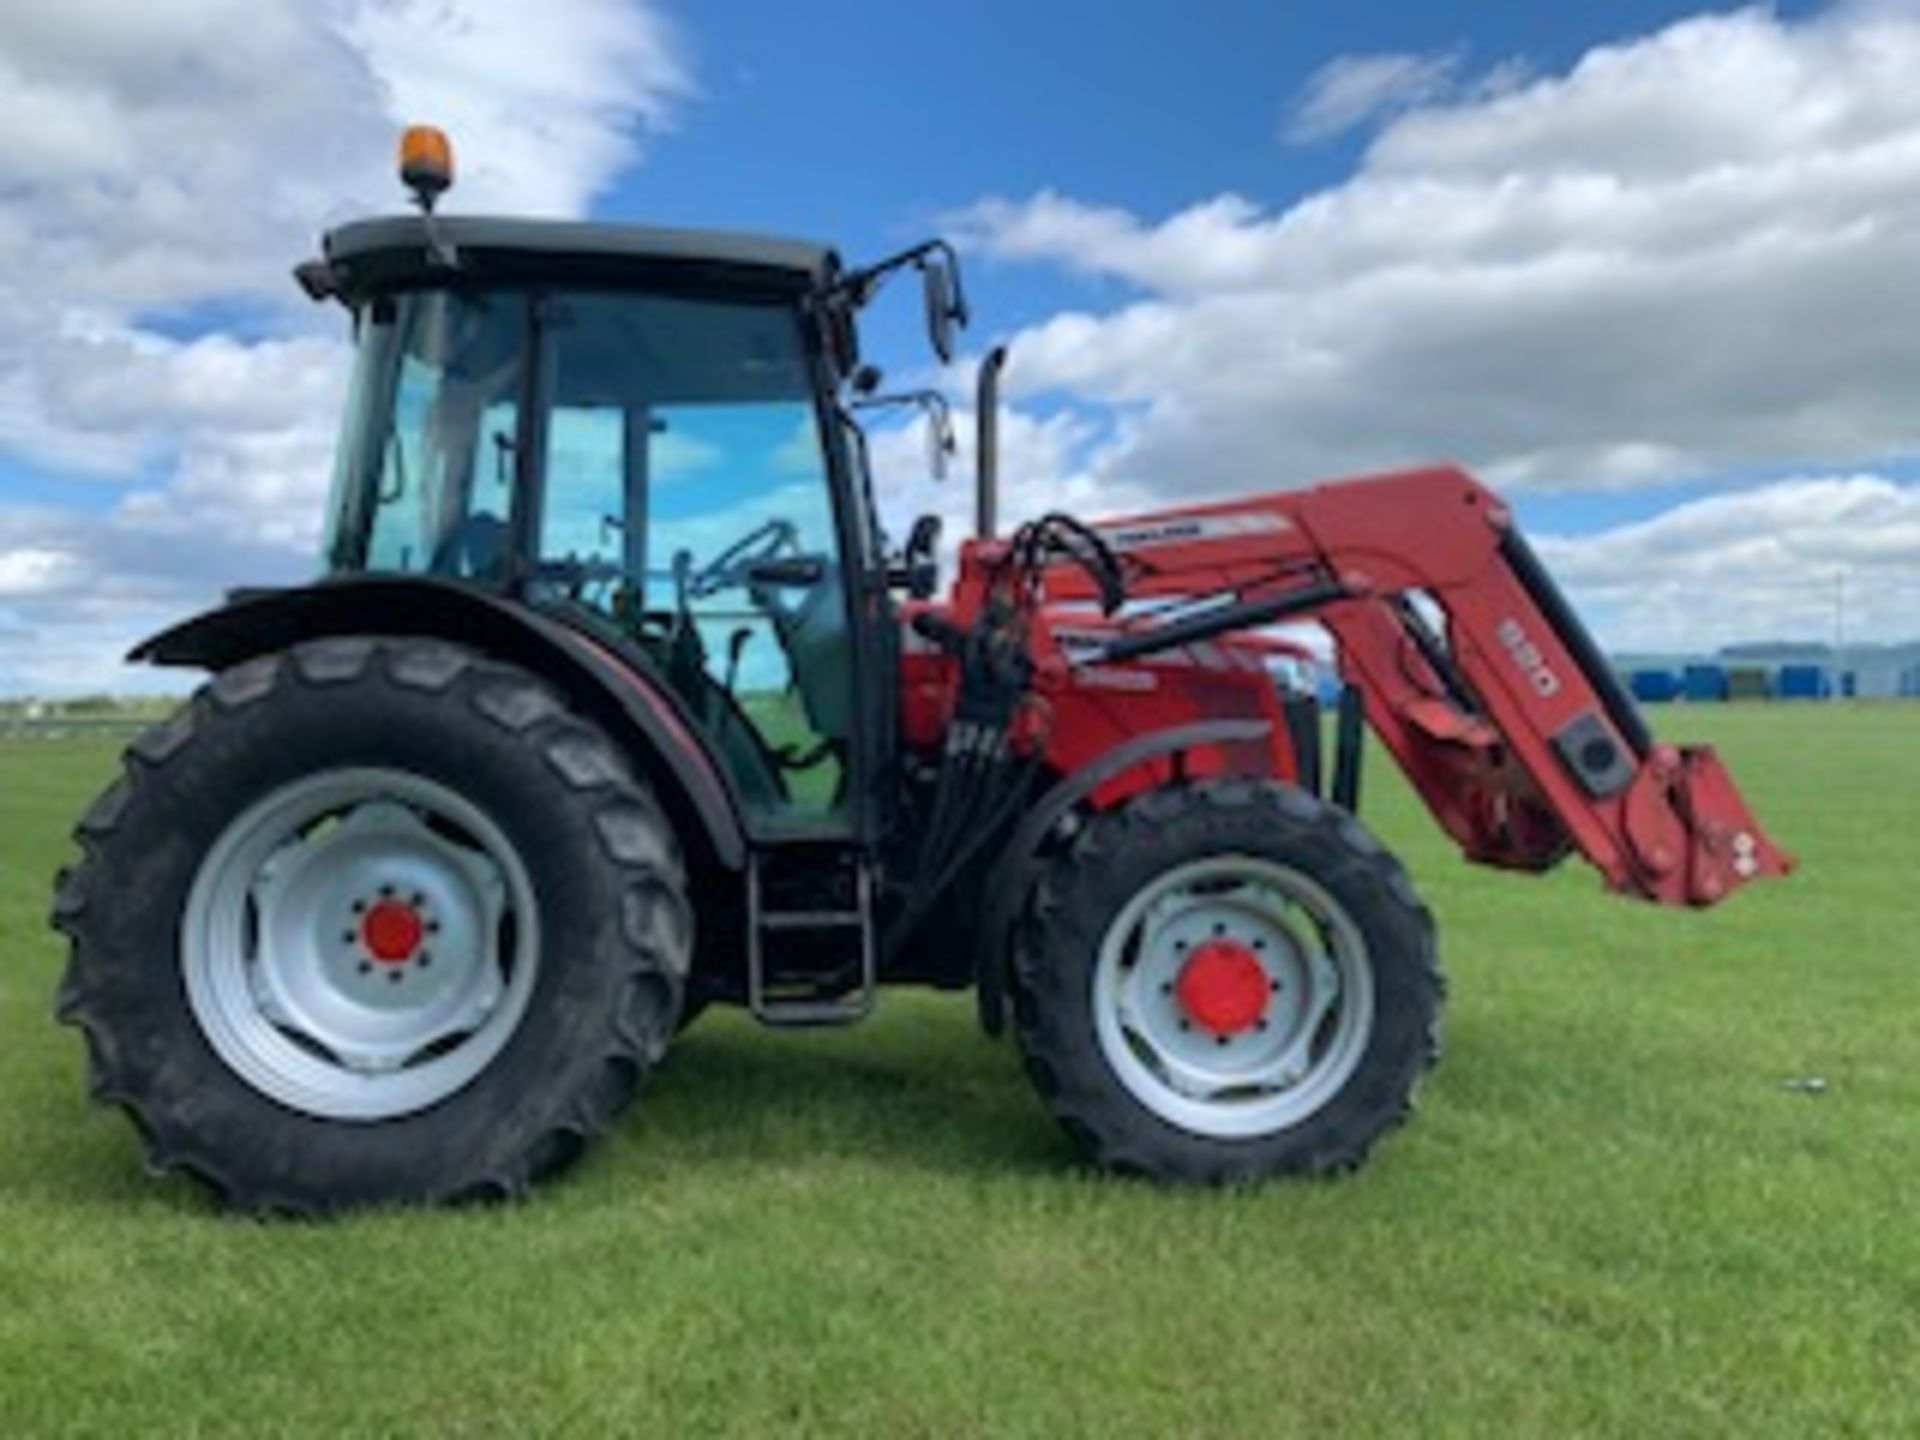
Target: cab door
(687, 495)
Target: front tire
(375, 921)
(1223, 981)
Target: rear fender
(630, 704)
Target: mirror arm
(861, 285)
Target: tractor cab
(647, 435)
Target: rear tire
(1224, 981)
(279, 1034)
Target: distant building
(1782, 669)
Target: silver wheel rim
(1271, 1073)
(296, 955)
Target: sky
(1647, 268)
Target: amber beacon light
(426, 163)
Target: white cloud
(80, 588)
(160, 155)
(1690, 254)
(1353, 90)
(162, 162)
(35, 570)
(1781, 560)
(547, 102)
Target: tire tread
(1116, 1131)
(657, 934)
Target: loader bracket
(1692, 836)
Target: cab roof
(375, 254)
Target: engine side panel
(1096, 708)
(1086, 711)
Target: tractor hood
(391, 252)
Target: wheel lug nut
(366, 967)
(1166, 987)
(394, 977)
(1186, 1025)
(347, 937)
(425, 959)
(1221, 1039)
(359, 907)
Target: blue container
(1803, 682)
(1704, 683)
(1849, 684)
(1654, 686)
(1910, 683)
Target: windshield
(425, 480)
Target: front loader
(612, 704)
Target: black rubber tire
(1086, 884)
(606, 872)
(690, 1011)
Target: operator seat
(813, 632)
(473, 549)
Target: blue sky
(858, 121)
(1645, 266)
(866, 125)
(891, 120)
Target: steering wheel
(731, 566)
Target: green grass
(1608, 1216)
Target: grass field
(1609, 1216)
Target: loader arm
(1476, 673)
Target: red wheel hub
(391, 932)
(1222, 987)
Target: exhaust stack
(986, 502)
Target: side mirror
(941, 446)
(946, 307)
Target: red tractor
(612, 704)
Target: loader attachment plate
(1692, 837)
